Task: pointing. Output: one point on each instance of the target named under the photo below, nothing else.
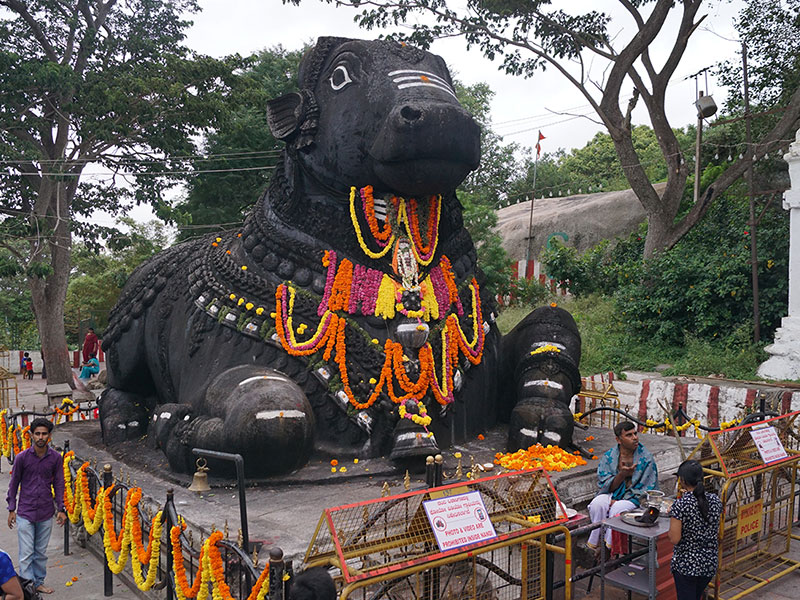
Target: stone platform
(284, 511)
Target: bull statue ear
(284, 115)
(293, 118)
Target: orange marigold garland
(423, 251)
(330, 338)
(182, 588)
(381, 234)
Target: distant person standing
(38, 473)
(23, 364)
(29, 368)
(90, 345)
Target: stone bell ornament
(200, 477)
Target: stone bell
(200, 478)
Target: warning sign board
(768, 443)
(459, 520)
(749, 520)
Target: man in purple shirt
(35, 471)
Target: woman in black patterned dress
(694, 529)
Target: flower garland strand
(212, 571)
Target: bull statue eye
(340, 78)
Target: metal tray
(630, 519)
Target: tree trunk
(50, 321)
(659, 234)
(49, 293)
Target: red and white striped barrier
(712, 404)
(529, 270)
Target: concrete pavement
(80, 563)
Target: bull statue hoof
(347, 315)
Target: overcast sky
(521, 106)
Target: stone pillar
(785, 360)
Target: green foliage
(607, 344)
(242, 148)
(702, 286)
(485, 188)
(596, 166)
(97, 278)
(771, 30)
(601, 269)
(17, 324)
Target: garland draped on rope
(128, 541)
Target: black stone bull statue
(347, 314)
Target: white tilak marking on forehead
(433, 76)
(403, 86)
(280, 414)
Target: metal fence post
(276, 566)
(66, 523)
(548, 568)
(108, 579)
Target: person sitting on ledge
(89, 368)
(624, 474)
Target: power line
(128, 160)
(144, 174)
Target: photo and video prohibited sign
(459, 520)
(768, 443)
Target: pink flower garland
(440, 290)
(330, 256)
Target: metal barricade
(596, 394)
(758, 501)
(386, 548)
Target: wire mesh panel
(386, 548)
(758, 500)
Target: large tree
(106, 83)
(602, 58)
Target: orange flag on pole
(539, 145)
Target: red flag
(538, 145)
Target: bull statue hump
(347, 314)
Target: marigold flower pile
(552, 458)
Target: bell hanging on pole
(200, 478)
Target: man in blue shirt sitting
(9, 583)
(624, 475)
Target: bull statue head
(376, 113)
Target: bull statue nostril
(410, 113)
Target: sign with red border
(459, 520)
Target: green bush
(702, 287)
(600, 269)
